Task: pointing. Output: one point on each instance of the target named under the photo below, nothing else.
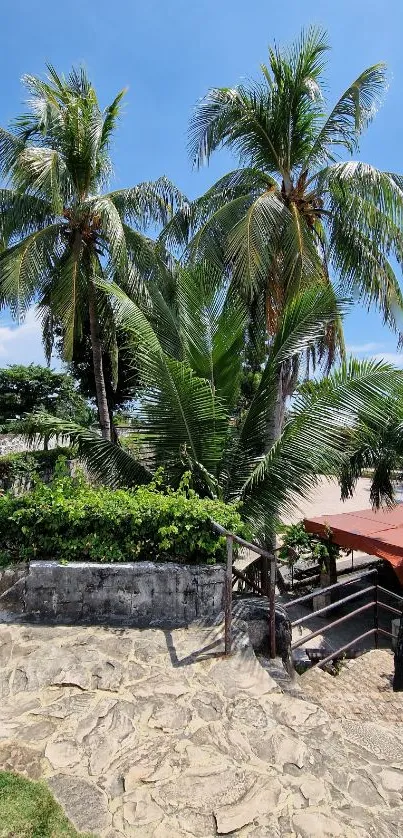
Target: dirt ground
(325, 500)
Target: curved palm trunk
(102, 402)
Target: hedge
(20, 470)
(72, 521)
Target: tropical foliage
(190, 363)
(74, 521)
(379, 452)
(59, 230)
(299, 211)
(214, 334)
(29, 389)
(298, 545)
(21, 470)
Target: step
(362, 689)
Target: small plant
(298, 544)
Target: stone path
(362, 690)
(151, 733)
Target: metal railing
(375, 603)
(267, 587)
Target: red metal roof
(379, 533)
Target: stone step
(362, 689)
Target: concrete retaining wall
(140, 594)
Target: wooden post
(265, 576)
(273, 607)
(398, 675)
(228, 597)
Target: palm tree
(190, 362)
(294, 214)
(59, 230)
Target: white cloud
(395, 358)
(359, 348)
(22, 344)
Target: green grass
(28, 810)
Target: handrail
(390, 593)
(332, 605)
(239, 575)
(375, 603)
(387, 633)
(345, 647)
(271, 556)
(266, 556)
(318, 591)
(241, 541)
(389, 608)
(338, 622)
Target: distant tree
(28, 389)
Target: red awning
(378, 533)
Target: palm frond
(10, 150)
(212, 325)
(305, 320)
(202, 214)
(66, 295)
(254, 241)
(108, 226)
(104, 460)
(151, 202)
(315, 440)
(26, 266)
(110, 117)
(43, 173)
(269, 125)
(350, 116)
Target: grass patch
(28, 810)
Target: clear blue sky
(168, 54)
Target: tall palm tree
(59, 230)
(294, 213)
(190, 364)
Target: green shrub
(22, 469)
(305, 545)
(70, 520)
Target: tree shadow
(205, 653)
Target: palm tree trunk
(276, 420)
(102, 402)
(286, 380)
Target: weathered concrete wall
(139, 594)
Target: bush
(70, 520)
(21, 469)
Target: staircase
(361, 691)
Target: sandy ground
(325, 500)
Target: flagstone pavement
(152, 733)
